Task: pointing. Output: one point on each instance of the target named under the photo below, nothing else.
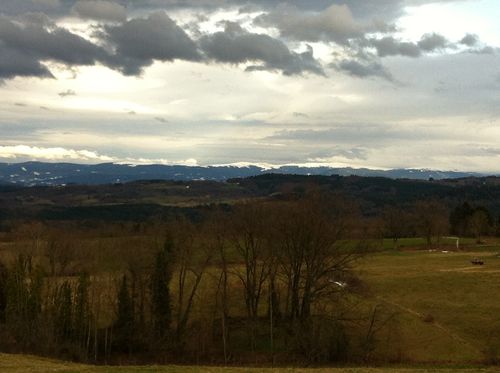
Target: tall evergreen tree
(160, 291)
(124, 327)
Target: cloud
(363, 70)
(16, 7)
(345, 134)
(47, 3)
(163, 161)
(300, 115)
(332, 155)
(16, 63)
(67, 93)
(140, 41)
(161, 119)
(100, 10)
(236, 46)
(389, 46)
(484, 50)
(365, 9)
(470, 40)
(53, 154)
(432, 42)
(58, 154)
(28, 42)
(335, 23)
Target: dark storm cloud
(29, 40)
(15, 63)
(244, 5)
(26, 42)
(365, 9)
(380, 9)
(140, 41)
(235, 45)
(100, 10)
(16, 7)
(25, 46)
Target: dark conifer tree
(124, 328)
(160, 291)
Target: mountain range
(42, 173)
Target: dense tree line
(432, 220)
(475, 221)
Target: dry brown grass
(28, 364)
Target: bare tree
(312, 256)
(479, 223)
(59, 252)
(432, 220)
(396, 223)
(193, 255)
(249, 237)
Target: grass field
(447, 312)
(29, 364)
(448, 308)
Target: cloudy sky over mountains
(382, 84)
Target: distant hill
(159, 199)
(40, 173)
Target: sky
(344, 83)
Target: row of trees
(263, 281)
(432, 220)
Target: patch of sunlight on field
(31, 364)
